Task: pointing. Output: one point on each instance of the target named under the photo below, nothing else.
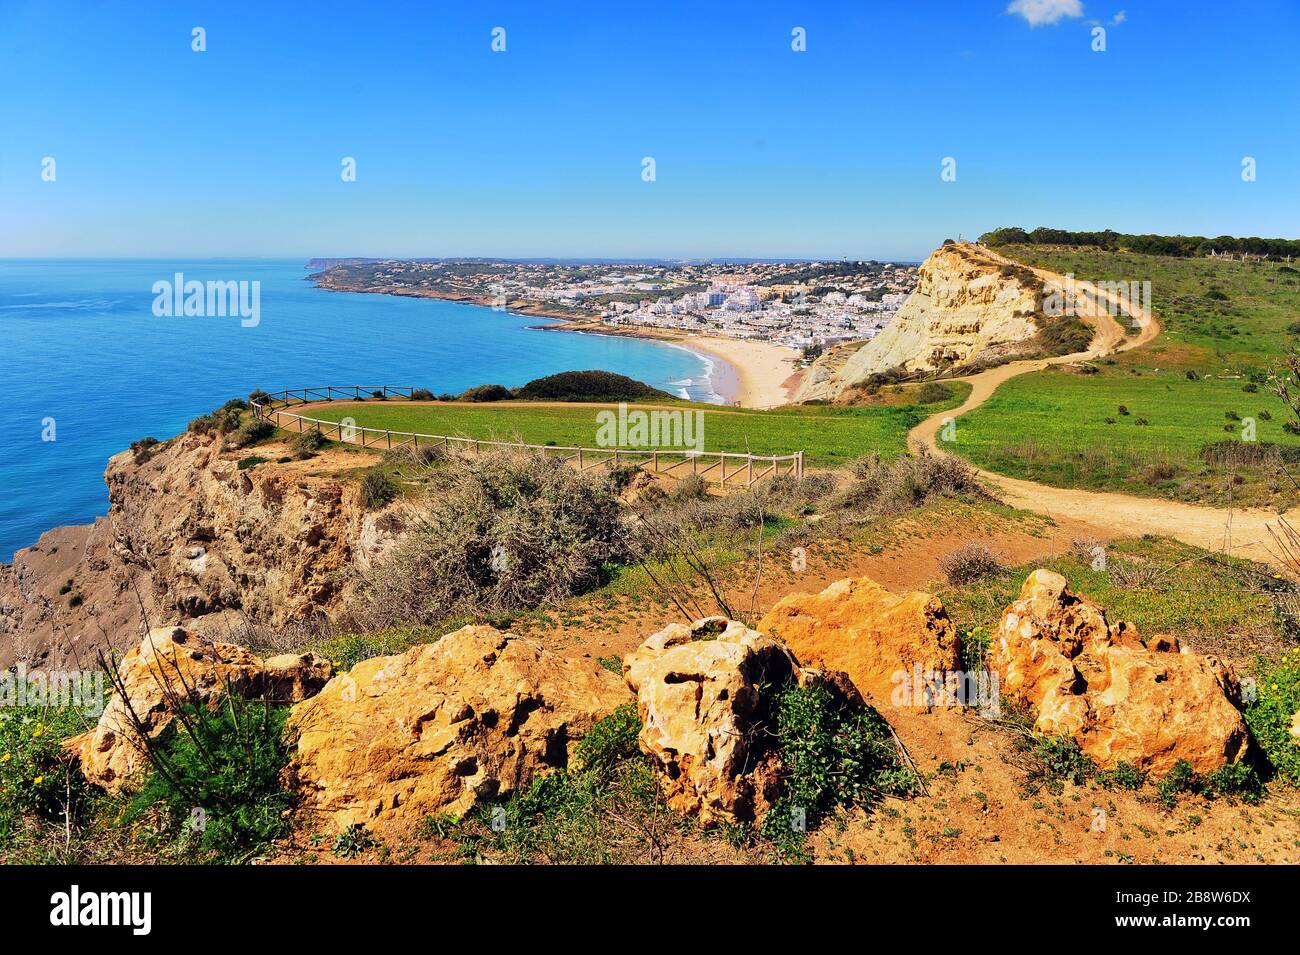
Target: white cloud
(1038, 12)
(1118, 18)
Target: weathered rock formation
(476, 716)
(188, 537)
(170, 668)
(704, 693)
(968, 306)
(871, 634)
(1150, 705)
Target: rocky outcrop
(188, 537)
(169, 669)
(476, 716)
(968, 306)
(704, 694)
(1122, 701)
(878, 638)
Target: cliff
(189, 538)
(970, 306)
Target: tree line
(1179, 245)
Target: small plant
(252, 461)
(143, 449)
(306, 443)
(421, 394)
(1271, 714)
(251, 432)
(834, 754)
(969, 563)
(38, 781)
(1125, 775)
(215, 774)
(1123, 410)
(377, 489)
(353, 841)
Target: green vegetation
(606, 808)
(497, 533)
(377, 489)
(1206, 379)
(1069, 430)
(39, 785)
(588, 386)
(829, 435)
(1270, 714)
(1160, 585)
(216, 778)
(834, 754)
(1169, 245)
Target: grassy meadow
(1142, 424)
(830, 436)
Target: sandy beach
(751, 374)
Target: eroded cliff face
(189, 538)
(969, 306)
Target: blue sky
(759, 150)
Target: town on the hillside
(807, 305)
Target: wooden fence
(723, 468)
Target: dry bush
(496, 533)
(969, 563)
(888, 487)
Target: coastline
(743, 372)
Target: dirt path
(1240, 533)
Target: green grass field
(1227, 322)
(829, 436)
(1068, 430)
(1217, 316)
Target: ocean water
(86, 361)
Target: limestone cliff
(970, 305)
(189, 538)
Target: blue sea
(87, 362)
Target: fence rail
(710, 466)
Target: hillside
(971, 308)
(1189, 416)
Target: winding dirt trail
(1239, 532)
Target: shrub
(497, 533)
(891, 486)
(833, 753)
(221, 420)
(588, 386)
(258, 396)
(306, 443)
(377, 489)
(1269, 715)
(932, 392)
(251, 432)
(216, 777)
(143, 449)
(252, 461)
(1233, 780)
(486, 393)
(969, 563)
(421, 394)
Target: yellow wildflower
(38, 780)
